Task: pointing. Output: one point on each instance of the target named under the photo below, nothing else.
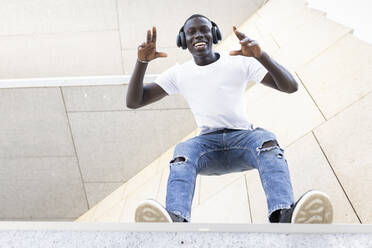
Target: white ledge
(70, 81)
(187, 227)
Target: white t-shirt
(214, 92)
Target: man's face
(198, 36)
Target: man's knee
(181, 164)
(186, 151)
(268, 146)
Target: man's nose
(198, 34)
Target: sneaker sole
(151, 211)
(313, 207)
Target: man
(213, 84)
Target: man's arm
(139, 95)
(277, 77)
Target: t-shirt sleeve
(255, 70)
(168, 80)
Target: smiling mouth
(200, 45)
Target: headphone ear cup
(218, 34)
(214, 35)
(178, 40)
(183, 40)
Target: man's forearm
(281, 76)
(135, 87)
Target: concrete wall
(63, 149)
(324, 126)
(41, 38)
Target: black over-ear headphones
(216, 34)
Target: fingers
(238, 34)
(253, 43)
(154, 34)
(148, 49)
(236, 52)
(148, 38)
(161, 54)
(151, 38)
(248, 42)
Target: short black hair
(194, 16)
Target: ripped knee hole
(178, 159)
(267, 146)
(270, 143)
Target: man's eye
(190, 31)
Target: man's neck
(206, 60)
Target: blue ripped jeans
(226, 151)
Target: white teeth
(200, 44)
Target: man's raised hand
(250, 48)
(147, 50)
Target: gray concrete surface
(135, 239)
(114, 146)
(33, 123)
(60, 54)
(346, 141)
(41, 187)
(183, 235)
(61, 148)
(97, 191)
(42, 16)
(41, 38)
(111, 98)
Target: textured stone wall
(176, 236)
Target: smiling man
(213, 85)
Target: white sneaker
(313, 207)
(151, 211)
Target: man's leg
(259, 149)
(313, 207)
(182, 179)
(180, 188)
(275, 178)
(184, 167)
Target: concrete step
(67, 234)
